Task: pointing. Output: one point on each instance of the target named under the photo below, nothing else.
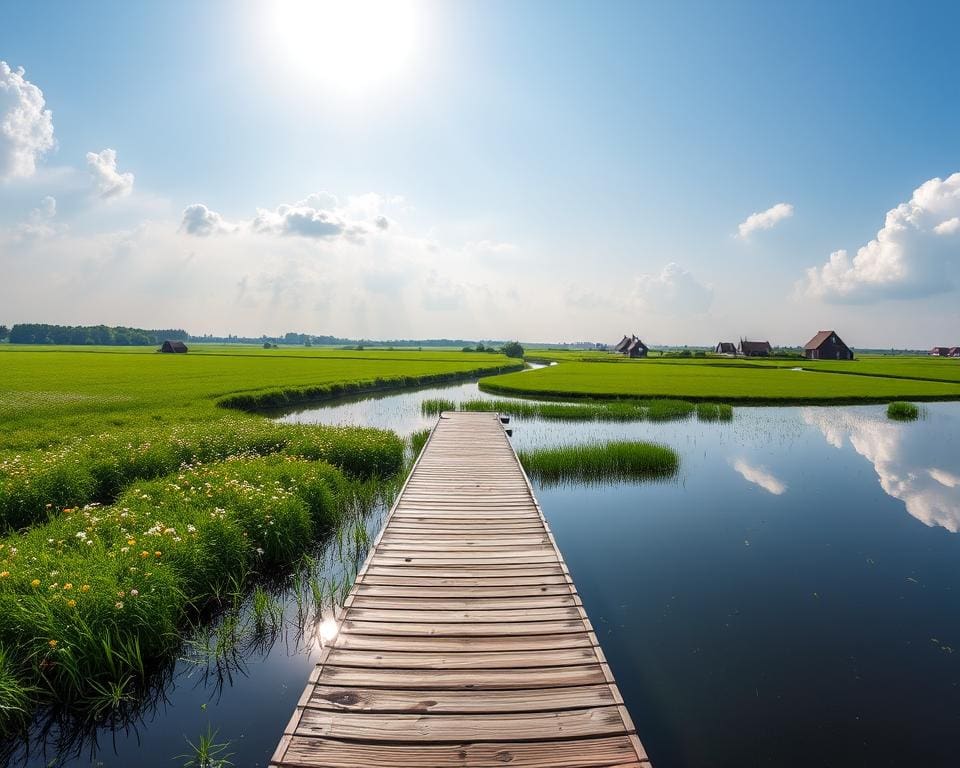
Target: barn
(636, 348)
(621, 346)
(826, 345)
(755, 348)
(173, 346)
(725, 348)
(940, 352)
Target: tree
(4, 332)
(512, 349)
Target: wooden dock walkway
(463, 641)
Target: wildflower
(119, 605)
(85, 588)
(35, 583)
(81, 535)
(121, 593)
(259, 550)
(53, 643)
(4, 574)
(144, 553)
(131, 542)
(68, 586)
(72, 603)
(134, 592)
(157, 553)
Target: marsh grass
(90, 600)
(434, 406)
(714, 412)
(207, 752)
(903, 411)
(417, 440)
(607, 462)
(615, 410)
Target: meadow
(739, 381)
(136, 494)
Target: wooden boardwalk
(463, 641)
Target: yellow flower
(157, 553)
(72, 603)
(144, 553)
(35, 583)
(68, 586)
(85, 588)
(131, 542)
(4, 574)
(53, 643)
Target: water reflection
(911, 466)
(759, 475)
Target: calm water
(791, 598)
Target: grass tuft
(614, 461)
(714, 412)
(902, 411)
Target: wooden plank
(608, 752)
(463, 641)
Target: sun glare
(348, 44)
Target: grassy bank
(901, 411)
(614, 461)
(90, 599)
(735, 381)
(35, 485)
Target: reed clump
(714, 412)
(903, 411)
(615, 410)
(434, 406)
(613, 461)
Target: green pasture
(48, 394)
(872, 379)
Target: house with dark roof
(826, 345)
(636, 348)
(954, 352)
(940, 351)
(173, 346)
(725, 348)
(755, 348)
(621, 347)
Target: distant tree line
(43, 333)
(510, 349)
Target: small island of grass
(613, 461)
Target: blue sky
(548, 171)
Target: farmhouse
(954, 352)
(755, 348)
(826, 345)
(725, 348)
(636, 348)
(173, 346)
(942, 351)
(621, 347)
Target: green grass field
(871, 379)
(48, 394)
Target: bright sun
(349, 44)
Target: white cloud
(760, 476)
(26, 127)
(109, 181)
(913, 255)
(319, 216)
(767, 219)
(201, 221)
(673, 291)
(40, 221)
(948, 227)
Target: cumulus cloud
(913, 255)
(767, 219)
(673, 291)
(26, 127)
(760, 476)
(319, 216)
(39, 222)
(110, 183)
(201, 221)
